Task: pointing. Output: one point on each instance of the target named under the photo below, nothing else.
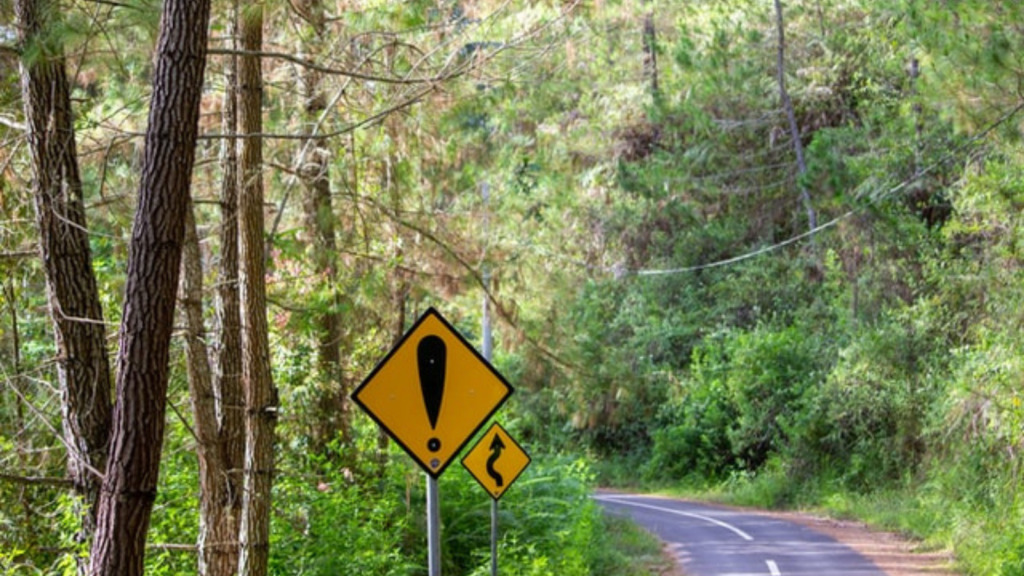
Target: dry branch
(36, 480)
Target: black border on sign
(509, 390)
(514, 478)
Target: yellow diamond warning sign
(432, 392)
(496, 461)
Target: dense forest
(760, 249)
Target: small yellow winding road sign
(432, 392)
(496, 461)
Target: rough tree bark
(333, 405)
(217, 401)
(83, 367)
(217, 533)
(228, 381)
(129, 487)
(260, 396)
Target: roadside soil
(893, 554)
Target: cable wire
(809, 233)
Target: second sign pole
(494, 538)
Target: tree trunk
(228, 381)
(333, 404)
(217, 534)
(794, 129)
(915, 72)
(260, 396)
(650, 51)
(129, 488)
(83, 367)
(399, 293)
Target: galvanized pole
(494, 537)
(433, 527)
(485, 276)
(488, 343)
(488, 348)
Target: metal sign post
(494, 537)
(496, 461)
(488, 348)
(433, 527)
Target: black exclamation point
(430, 355)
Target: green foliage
(869, 417)
(548, 523)
(328, 525)
(692, 439)
(740, 404)
(656, 306)
(174, 520)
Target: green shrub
(329, 526)
(547, 521)
(745, 393)
(692, 437)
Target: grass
(628, 550)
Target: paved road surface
(713, 541)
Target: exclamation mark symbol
(431, 354)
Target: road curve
(714, 541)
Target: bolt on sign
(496, 461)
(432, 392)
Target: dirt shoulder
(894, 554)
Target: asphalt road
(713, 541)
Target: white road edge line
(714, 521)
(773, 568)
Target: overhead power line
(789, 241)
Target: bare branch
(115, 4)
(174, 547)
(369, 120)
(336, 71)
(17, 255)
(36, 480)
(13, 124)
(44, 420)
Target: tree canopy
(770, 246)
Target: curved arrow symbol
(496, 447)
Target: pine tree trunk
(260, 396)
(333, 405)
(83, 367)
(794, 129)
(129, 488)
(228, 380)
(399, 292)
(217, 534)
(650, 51)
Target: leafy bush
(327, 526)
(870, 414)
(548, 524)
(692, 436)
(745, 392)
